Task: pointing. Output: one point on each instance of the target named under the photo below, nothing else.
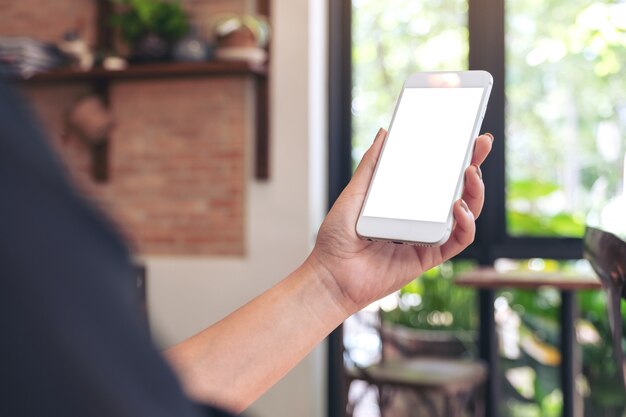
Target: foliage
(571, 139)
(164, 18)
(565, 142)
(599, 366)
(539, 313)
(392, 39)
(528, 224)
(565, 114)
(433, 302)
(524, 215)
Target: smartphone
(420, 171)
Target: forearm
(237, 359)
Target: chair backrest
(607, 255)
(403, 342)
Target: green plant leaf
(529, 189)
(163, 18)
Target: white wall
(187, 294)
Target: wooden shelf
(155, 70)
(101, 79)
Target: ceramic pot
(151, 47)
(191, 48)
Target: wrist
(330, 286)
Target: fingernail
(478, 171)
(380, 132)
(490, 135)
(464, 205)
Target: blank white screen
(424, 152)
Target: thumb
(365, 170)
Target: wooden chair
(607, 255)
(441, 385)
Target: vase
(150, 48)
(191, 48)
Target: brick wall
(177, 154)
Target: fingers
(482, 147)
(463, 232)
(365, 170)
(474, 190)
(469, 207)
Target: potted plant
(150, 27)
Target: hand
(342, 275)
(359, 271)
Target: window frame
(486, 27)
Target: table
(490, 279)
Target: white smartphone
(420, 172)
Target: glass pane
(599, 384)
(392, 39)
(566, 112)
(528, 328)
(429, 317)
(530, 353)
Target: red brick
(178, 152)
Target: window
(558, 111)
(391, 40)
(565, 113)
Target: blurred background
(210, 130)
(563, 164)
(214, 165)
